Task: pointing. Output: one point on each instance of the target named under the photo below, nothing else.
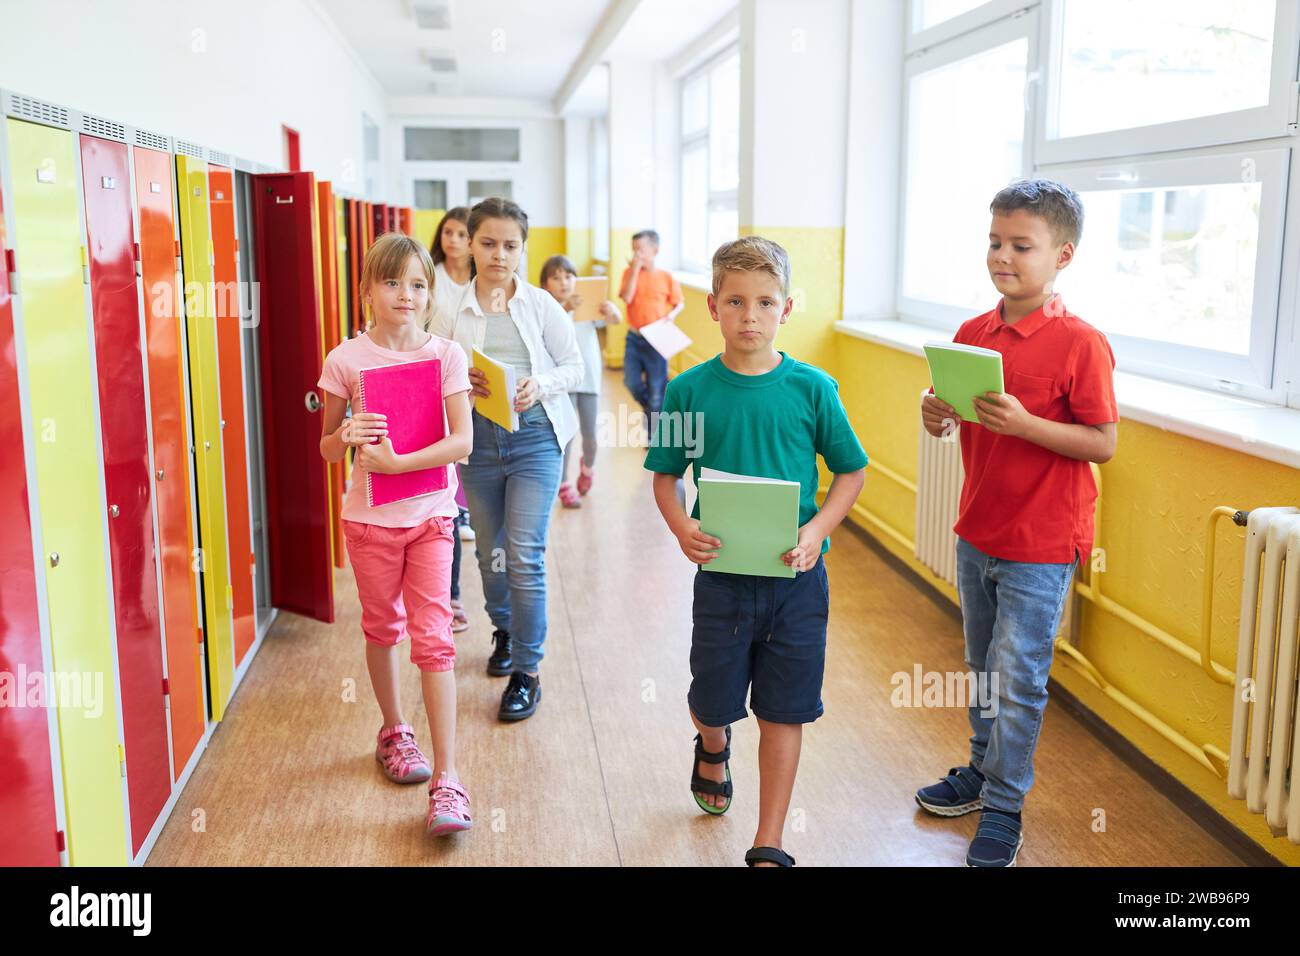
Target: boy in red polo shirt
(651, 294)
(1025, 518)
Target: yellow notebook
(594, 291)
(499, 407)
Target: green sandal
(699, 785)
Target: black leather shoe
(521, 697)
(500, 664)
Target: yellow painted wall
(578, 243)
(620, 248)
(426, 221)
(1156, 495)
(543, 242)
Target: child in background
(766, 415)
(651, 294)
(401, 552)
(451, 268)
(1026, 511)
(559, 277)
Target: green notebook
(756, 519)
(960, 372)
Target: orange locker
(169, 417)
(329, 246)
(230, 369)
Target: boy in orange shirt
(651, 294)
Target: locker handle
(313, 402)
(114, 511)
(283, 202)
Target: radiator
(938, 488)
(1264, 757)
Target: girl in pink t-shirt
(401, 552)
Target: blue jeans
(1010, 611)
(510, 483)
(645, 373)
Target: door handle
(313, 402)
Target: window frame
(722, 199)
(1276, 119)
(1272, 377)
(1251, 375)
(1015, 26)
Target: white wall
(224, 75)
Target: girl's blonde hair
(387, 258)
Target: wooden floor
(599, 775)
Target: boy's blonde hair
(752, 254)
(386, 259)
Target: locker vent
(39, 110)
(221, 159)
(102, 127)
(153, 141)
(189, 149)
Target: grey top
(504, 343)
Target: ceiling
(510, 49)
(503, 48)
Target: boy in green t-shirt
(755, 411)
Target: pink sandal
(448, 808)
(568, 497)
(400, 755)
(585, 476)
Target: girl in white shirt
(512, 478)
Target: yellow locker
(205, 403)
(55, 351)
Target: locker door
(205, 408)
(221, 183)
(27, 818)
(356, 247)
(379, 220)
(55, 337)
(292, 351)
(172, 480)
(345, 320)
(115, 306)
(330, 315)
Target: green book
(756, 519)
(960, 372)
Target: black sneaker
(521, 697)
(500, 664)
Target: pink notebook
(411, 396)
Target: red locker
(239, 526)
(106, 183)
(356, 249)
(292, 352)
(379, 220)
(154, 194)
(28, 823)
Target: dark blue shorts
(762, 635)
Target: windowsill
(700, 281)
(1253, 428)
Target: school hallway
(599, 775)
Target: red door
(106, 181)
(292, 352)
(230, 364)
(27, 820)
(171, 458)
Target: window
(431, 194)
(710, 158)
(1175, 122)
(480, 189)
(430, 144)
(972, 92)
